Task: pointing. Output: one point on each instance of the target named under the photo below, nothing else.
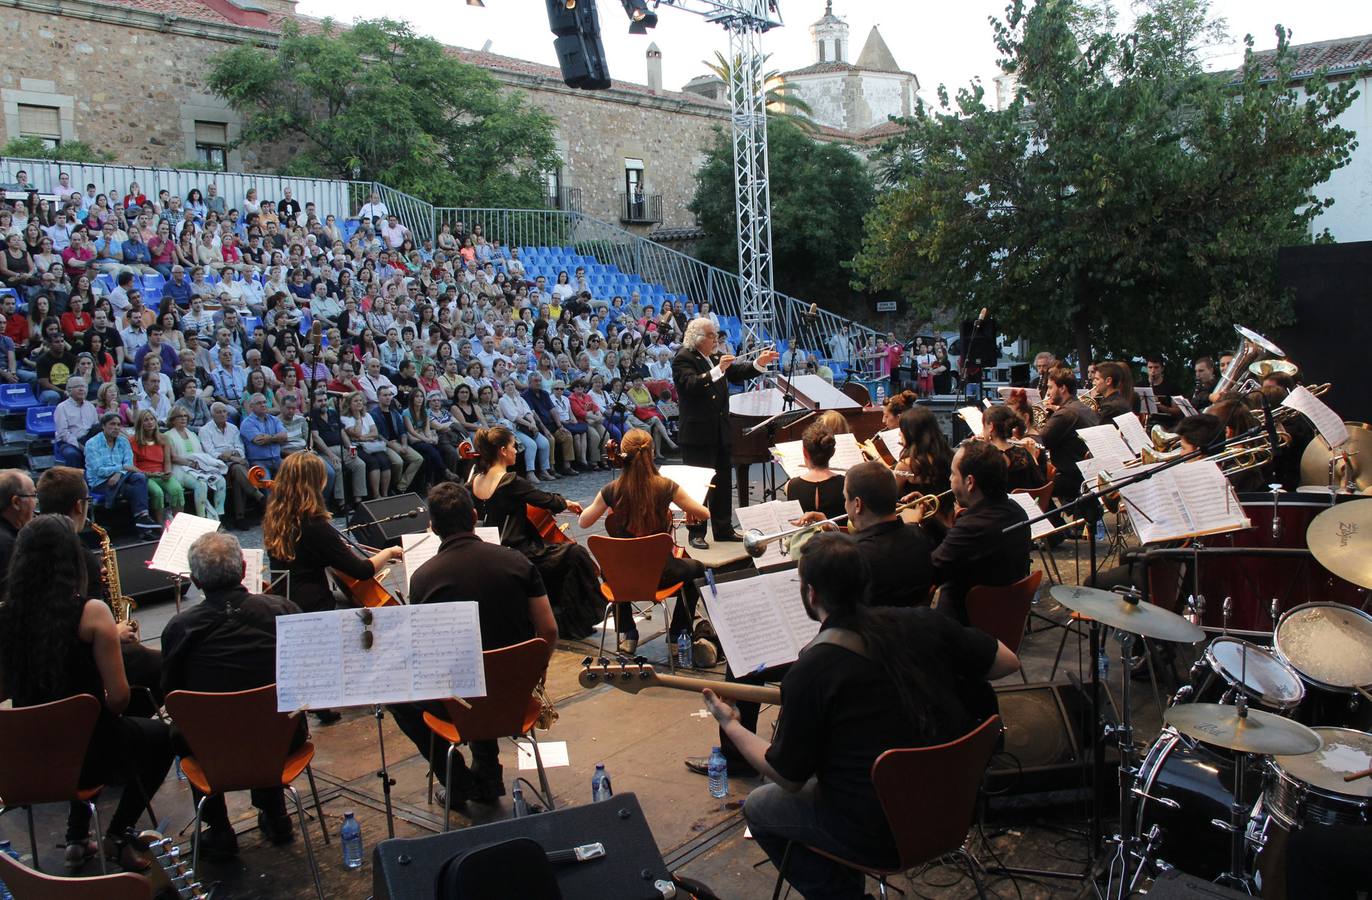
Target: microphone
(1269, 424)
(811, 313)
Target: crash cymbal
(1341, 540)
(1257, 732)
(1143, 619)
(1315, 459)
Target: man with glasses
(110, 468)
(330, 441)
(18, 503)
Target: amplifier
(387, 534)
(1046, 729)
(136, 580)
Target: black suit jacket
(704, 401)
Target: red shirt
(85, 255)
(132, 200)
(74, 322)
(17, 328)
(231, 254)
(148, 458)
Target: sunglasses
(368, 638)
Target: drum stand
(1118, 883)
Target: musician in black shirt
(513, 606)
(226, 643)
(872, 681)
(1059, 436)
(896, 553)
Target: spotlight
(569, 4)
(640, 17)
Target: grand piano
(811, 397)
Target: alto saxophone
(120, 605)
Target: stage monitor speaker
(136, 580)
(387, 534)
(1175, 885)
(1046, 730)
(632, 867)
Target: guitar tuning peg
(587, 661)
(641, 660)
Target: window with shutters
(212, 143)
(42, 122)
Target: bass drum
(1200, 782)
(1253, 582)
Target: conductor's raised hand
(723, 711)
(726, 360)
(767, 357)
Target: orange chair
(509, 709)
(43, 747)
(1003, 612)
(27, 884)
(632, 569)
(240, 742)
(909, 784)
(1043, 498)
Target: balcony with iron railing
(640, 209)
(567, 199)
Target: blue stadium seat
(152, 283)
(38, 421)
(17, 396)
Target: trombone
(755, 542)
(1248, 453)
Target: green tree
(378, 102)
(67, 151)
(1125, 202)
(782, 100)
(820, 193)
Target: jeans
(49, 397)
(69, 455)
(133, 488)
(535, 451)
(777, 817)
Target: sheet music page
(791, 457)
(1148, 401)
(769, 518)
(895, 444)
(421, 547)
(445, 651)
(1031, 509)
(972, 416)
(694, 480)
(381, 674)
(1183, 404)
(750, 626)
(762, 403)
(1105, 443)
(1330, 426)
(1030, 394)
(1207, 497)
(1092, 468)
(488, 533)
(825, 395)
(1155, 508)
(784, 588)
(309, 664)
(1132, 432)
(176, 541)
(847, 453)
(252, 570)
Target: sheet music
(694, 480)
(1105, 443)
(1161, 515)
(1132, 432)
(252, 570)
(1190, 499)
(824, 394)
(1092, 468)
(1148, 401)
(791, 456)
(426, 652)
(756, 625)
(1030, 394)
(176, 541)
(488, 533)
(1330, 426)
(764, 402)
(1031, 509)
(419, 548)
(893, 440)
(769, 518)
(1183, 404)
(972, 416)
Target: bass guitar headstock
(627, 675)
(172, 875)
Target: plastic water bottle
(180, 775)
(1102, 664)
(683, 650)
(600, 784)
(521, 808)
(881, 393)
(1100, 531)
(14, 854)
(719, 774)
(350, 835)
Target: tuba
(120, 605)
(1253, 348)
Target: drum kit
(1261, 742)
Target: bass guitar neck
(634, 677)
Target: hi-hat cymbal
(1315, 459)
(1112, 609)
(1341, 540)
(1257, 732)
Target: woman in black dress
(639, 504)
(58, 639)
(1001, 425)
(925, 466)
(501, 497)
(818, 488)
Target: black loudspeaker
(387, 534)
(1175, 885)
(1331, 294)
(136, 580)
(1046, 731)
(580, 53)
(631, 868)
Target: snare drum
(1330, 647)
(1230, 666)
(1309, 789)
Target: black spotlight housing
(580, 53)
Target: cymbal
(1341, 540)
(1315, 459)
(1259, 732)
(1143, 619)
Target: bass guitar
(634, 677)
(172, 876)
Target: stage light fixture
(641, 18)
(569, 4)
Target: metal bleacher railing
(681, 275)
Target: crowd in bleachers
(170, 345)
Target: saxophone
(121, 606)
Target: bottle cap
(716, 750)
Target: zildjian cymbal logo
(1346, 532)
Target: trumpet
(755, 542)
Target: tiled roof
(820, 67)
(198, 11)
(1339, 55)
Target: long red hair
(297, 495)
(639, 486)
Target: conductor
(702, 379)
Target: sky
(947, 43)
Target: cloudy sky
(939, 42)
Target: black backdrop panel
(1331, 339)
